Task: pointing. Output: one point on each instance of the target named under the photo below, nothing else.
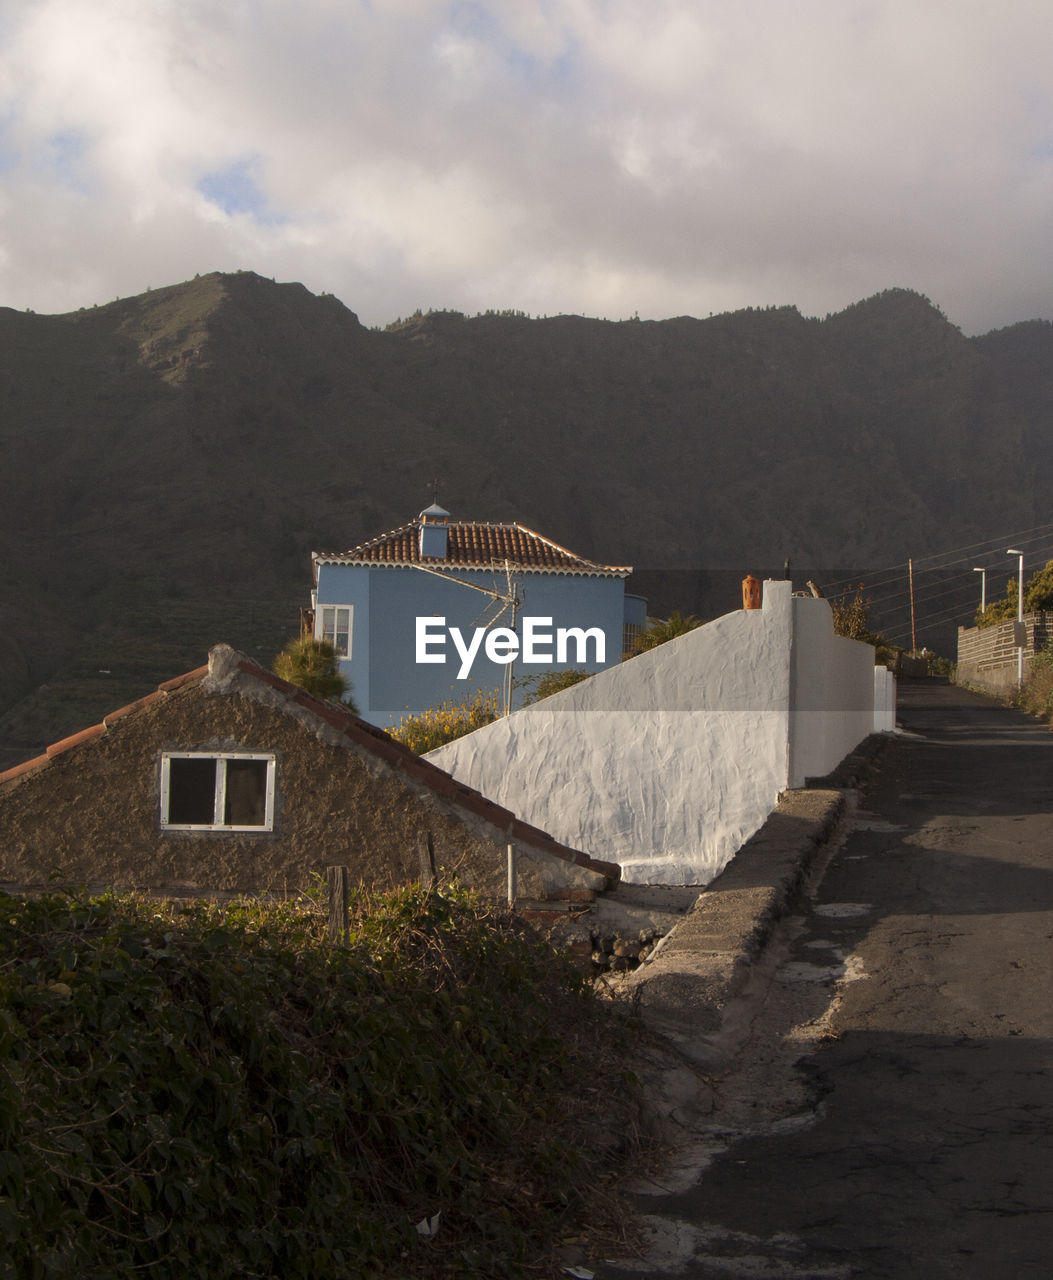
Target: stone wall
(988, 657)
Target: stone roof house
(230, 780)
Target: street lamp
(983, 588)
(1012, 551)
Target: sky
(609, 158)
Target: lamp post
(983, 588)
(1012, 551)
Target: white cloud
(595, 156)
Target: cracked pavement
(888, 1111)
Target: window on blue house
(221, 791)
(333, 623)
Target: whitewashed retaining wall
(668, 762)
(832, 704)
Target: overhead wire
(951, 557)
(945, 590)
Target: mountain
(168, 462)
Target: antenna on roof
(509, 599)
(435, 491)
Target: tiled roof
(475, 544)
(355, 730)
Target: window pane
(246, 793)
(328, 623)
(191, 791)
(336, 628)
(340, 643)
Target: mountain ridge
(174, 457)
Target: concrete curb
(684, 989)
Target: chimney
(434, 532)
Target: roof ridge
(474, 544)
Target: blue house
(440, 608)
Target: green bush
(1038, 596)
(225, 1092)
(544, 686)
(659, 631)
(313, 666)
(446, 722)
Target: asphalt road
(914, 1137)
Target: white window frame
(220, 798)
(319, 625)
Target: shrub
(1036, 697)
(449, 720)
(312, 665)
(659, 631)
(852, 617)
(1038, 596)
(225, 1092)
(544, 686)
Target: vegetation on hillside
(1038, 596)
(313, 665)
(449, 720)
(223, 1091)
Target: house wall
(672, 760)
(91, 815)
(388, 682)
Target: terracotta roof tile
(27, 766)
(112, 716)
(475, 544)
(75, 739)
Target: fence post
(338, 902)
(426, 857)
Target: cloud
(591, 156)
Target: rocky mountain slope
(168, 462)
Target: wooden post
(913, 630)
(426, 856)
(338, 902)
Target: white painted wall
(668, 762)
(884, 700)
(832, 694)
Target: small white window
(217, 791)
(333, 623)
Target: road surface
(914, 1138)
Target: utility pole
(913, 632)
(1012, 551)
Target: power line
(951, 557)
